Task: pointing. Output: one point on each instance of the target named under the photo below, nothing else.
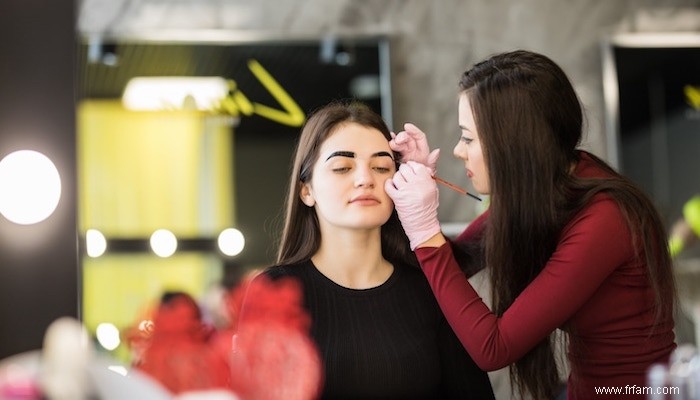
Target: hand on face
(348, 178)
(413, 146)
(415, 197)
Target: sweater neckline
(332, 285)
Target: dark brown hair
(301, 236)
(530, 124)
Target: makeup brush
(455, 187)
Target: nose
(364, 177)
(460, 151)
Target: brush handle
(455, 187)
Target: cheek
(477, 156)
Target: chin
(370, 223)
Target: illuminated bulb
(163, 243)
(95, 243)
(30, 187)
(108, 336)
(231, 241)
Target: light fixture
(231, 241)
(174, 93)
(108, 336)
(163, 243)
(30, 187)
(95, 243)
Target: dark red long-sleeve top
(592, 287)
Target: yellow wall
(143, 171)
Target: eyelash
(381, 170)
(466, 140)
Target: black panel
(659, 125)
(38, 263)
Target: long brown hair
(530, 123)
(301, 236)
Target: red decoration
(273, 356)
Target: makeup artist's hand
(413, 146)
(415, 197)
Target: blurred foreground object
(67, 368)
(65, 359)
(679, 379)
(178, 354)
(273, 355)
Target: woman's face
(468, 148)
(347, 184)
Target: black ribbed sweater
(387, 342)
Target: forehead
(464, 104)
(466, 117)
(362, 140)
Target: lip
(470, 174)
(365, 199)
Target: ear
(306, 196)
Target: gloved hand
(415, 197)
(413, 146)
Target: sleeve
(462, 378)
(594, 243)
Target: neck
(353, 259)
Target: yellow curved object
(691, 214)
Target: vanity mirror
(191, 137)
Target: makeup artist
(378, 327)
(568, 242)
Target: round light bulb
(108, 336)
(163, 243)
(231, 241)
(95, 243)
(30, 187)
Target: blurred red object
(273, 356)
(177, 353)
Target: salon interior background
(431, 43)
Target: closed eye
(466, 140)
(382, 170)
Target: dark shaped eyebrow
(352, 154)
(383, 154)
(341, 154)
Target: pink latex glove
(413, 146)
(415, 197)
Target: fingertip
(389, 186)
(413, 165)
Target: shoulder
(408, 275)
(602, 211)
(276, 272)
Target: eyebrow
(464, 128)
(352, 154)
